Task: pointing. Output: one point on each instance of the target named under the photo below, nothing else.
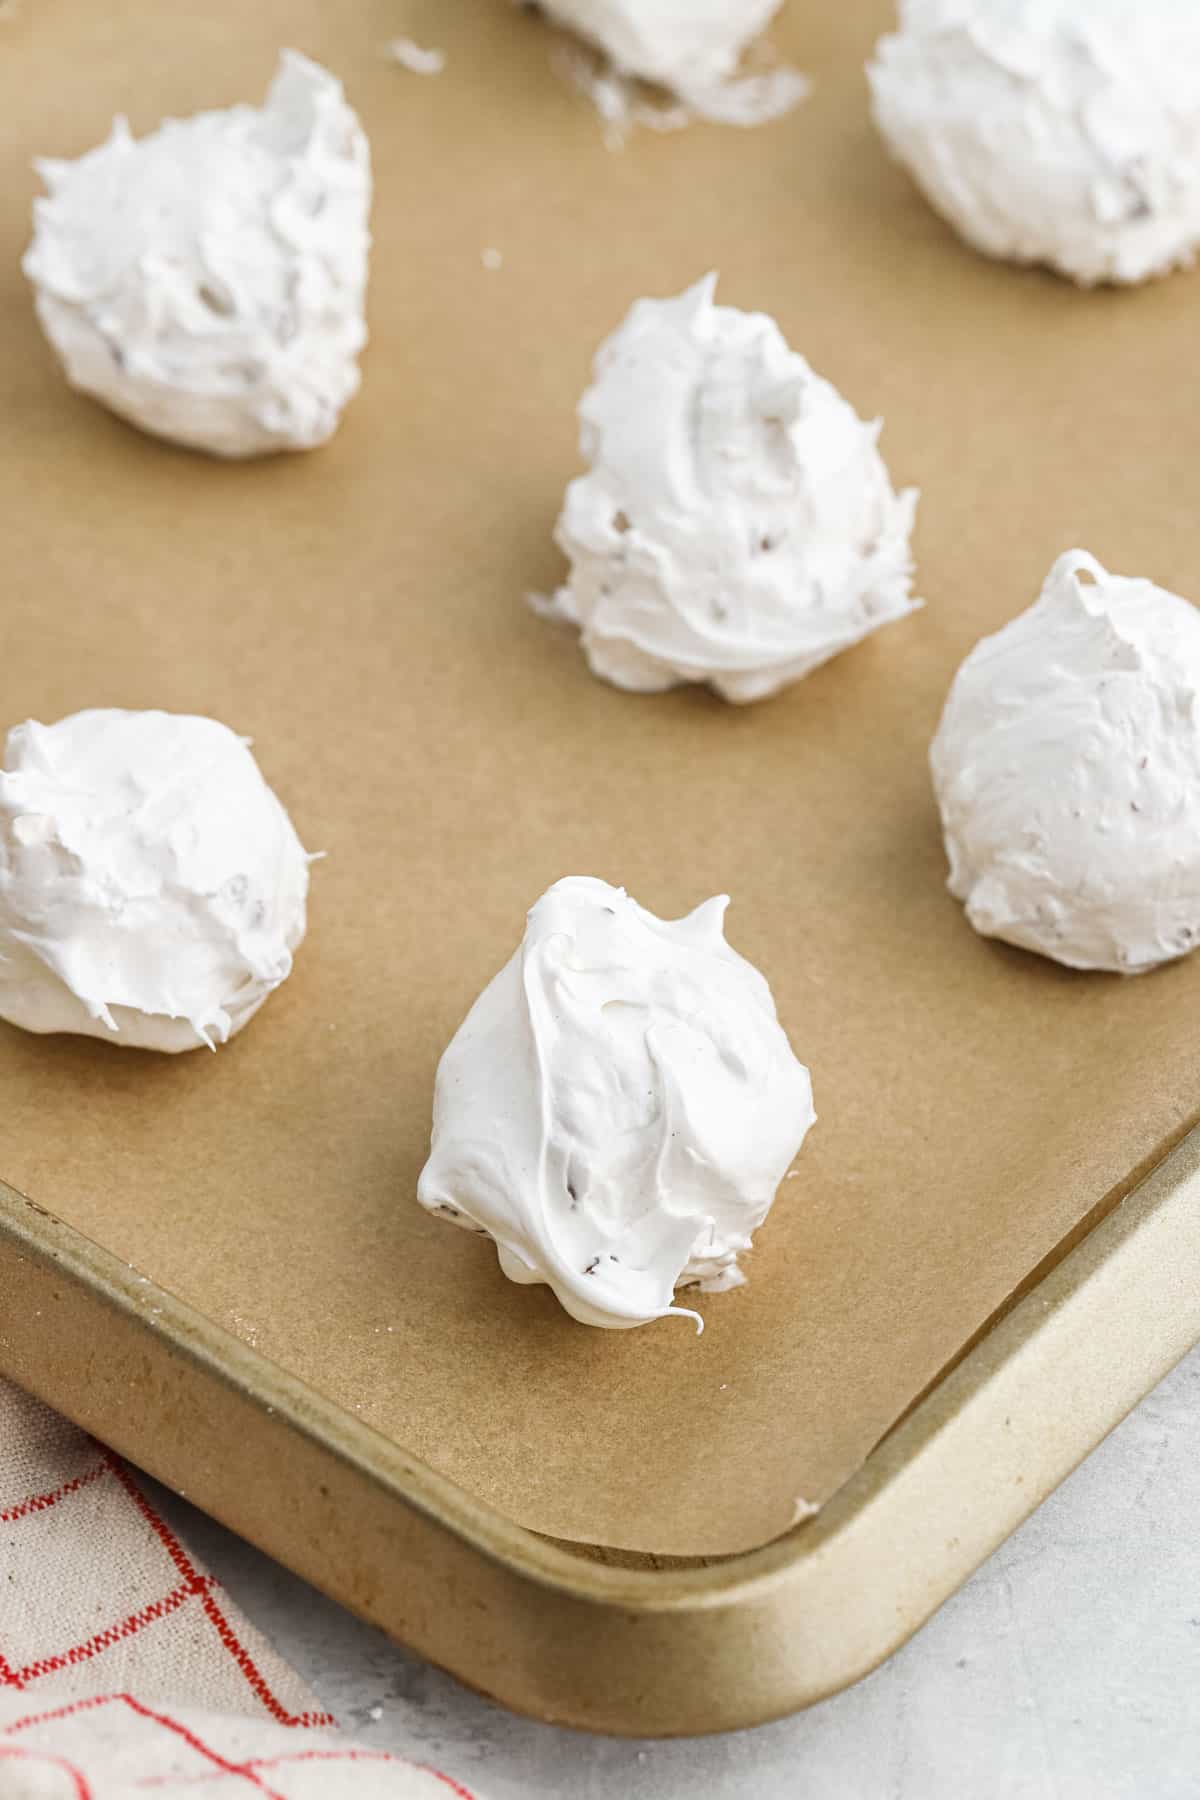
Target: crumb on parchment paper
(416, 60)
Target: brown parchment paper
(359, 611)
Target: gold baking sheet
(359, 612)
(641, 1648)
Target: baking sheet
(359, 612)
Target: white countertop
(1067, 1669)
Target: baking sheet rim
(1024, 1406)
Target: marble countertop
(1068, 1667)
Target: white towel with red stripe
(124, 1667)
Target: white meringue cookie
(1067, 771)
(690, 47)
(1064, 132)
(152, 889)
(737, 525)
(207, 281)
(618, 1107)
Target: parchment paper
(359, 611)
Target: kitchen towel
(124, 1667)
